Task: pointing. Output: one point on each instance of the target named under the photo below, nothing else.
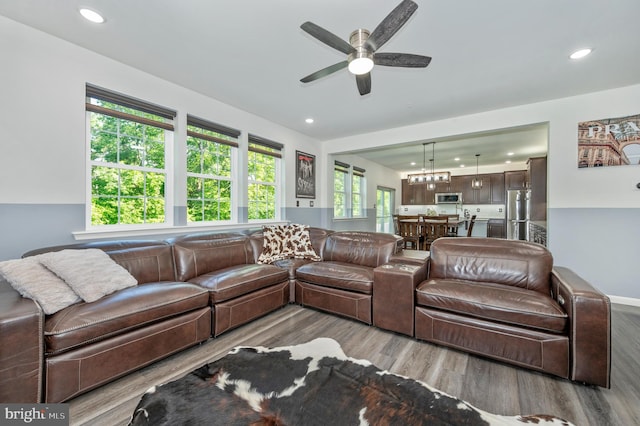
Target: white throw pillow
(34, 281)
(91, 273)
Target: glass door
(385, 201)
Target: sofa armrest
(394, 288)
(589, 312)
(21, 347)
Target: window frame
(124, 101)
(260, 146)
(232, 142)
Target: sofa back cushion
(360, 248)
(147, 261)
(200, 254)
(509, 262)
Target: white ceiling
(251, 54)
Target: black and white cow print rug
(309, 384)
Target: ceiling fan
(362, 48)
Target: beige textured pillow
(34, 281)
(276, 244)
(301, 242)
(91, 273)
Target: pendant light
(428, 177)
(476, 183)
(431, 185)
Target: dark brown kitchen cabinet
(496, 228)
(537, 171)
(416, 194)
(516, 179)
(497, 188)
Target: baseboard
(625, 300)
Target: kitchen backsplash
(482, 211)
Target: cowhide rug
(309, 384)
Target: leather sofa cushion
(514, 263)
(494, 302)
(238, 280)
(195, 256)
(340, 275)
(291, 265)
(120, 312)
(370, 249)
(147, 261)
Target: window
(340, 186)
(128, 144)
(211, 152)
(349, 189)
(263, 166)
(384, 209)
(358, 189)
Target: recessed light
(413, 163)
(508, 162)
(580, 53)
(461, 165)
(456, 159)
(308, 120)
(509, 154)
(92, 15)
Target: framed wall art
(609, 142)
(305, 175)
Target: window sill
(95, 234)
(349, 218)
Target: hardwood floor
(488, 385)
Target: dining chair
(471, 222)
(411, 232)
(435, 228)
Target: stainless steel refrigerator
(518, 214)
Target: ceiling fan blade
(325, 72)
(364, 83)
(391, 24)
(327, 37)
(401, 60)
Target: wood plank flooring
(488, 385)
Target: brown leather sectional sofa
(195, 287)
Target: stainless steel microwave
(449, 198)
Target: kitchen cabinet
(496, 228)
(497, 188)
(516, 179)
(492, 191)
(537, 174)
(417, 194)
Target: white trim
(625, 300)
(163, 230)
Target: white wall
(593, 214)
(42, 132)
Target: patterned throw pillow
(276, 244)
(301, 241)
(286, 242)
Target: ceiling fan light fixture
(360, 61)
(361, 65)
